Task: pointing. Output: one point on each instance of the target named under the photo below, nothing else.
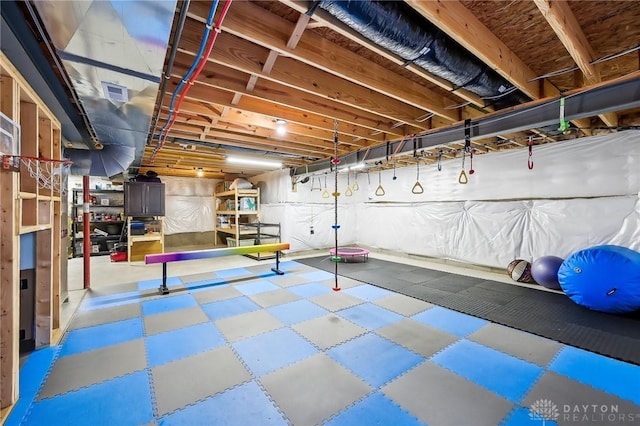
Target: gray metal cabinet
(143, 199)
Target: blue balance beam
(178, 256)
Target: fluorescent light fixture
(351, 168)
(252, 162)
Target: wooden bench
(165, 258)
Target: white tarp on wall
(188, 204)
(580, 193)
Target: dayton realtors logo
(545, 410)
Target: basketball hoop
(50, 174)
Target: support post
(163, 288)
(86, 232)
(277, 268)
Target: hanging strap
(347, 191)
(530, 159)
(325, 193)
(440, 160)
(313, 182)
(379, 189)
(355, 186)
(463, 179)
(564, 124)
(417, 188)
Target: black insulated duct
(398, 28)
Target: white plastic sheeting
(580, 193)
(188, 205)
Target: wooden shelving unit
(239, 207)
(28, 210)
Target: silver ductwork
(114, 53)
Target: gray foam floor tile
(438, 397)
(343, 282)
(314, 389)
(289, 280)
(88, 368)
(336, 301)
(172, 320)
(403, 305)
(112, 289)
(216, 293)
(574, 400)
(417, 337)
(535, 349)
(274, 297)
(191, 379)
(93, 317)
(193, 278)
(328, 330)
(251, 324)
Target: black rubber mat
(546, 314)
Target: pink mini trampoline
(350, 253)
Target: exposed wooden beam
(220, 77)
(564, 23)
(325, 20)
(222, 97)
(460, 24)
(298, 30)
(244, 56)
(258, 25)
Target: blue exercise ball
(545, 271)
(603, 278)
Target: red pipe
(202, 60)
(86, 232)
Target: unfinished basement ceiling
(323, 68)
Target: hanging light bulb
(281, 128)
(200, 172)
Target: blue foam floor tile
(256, 287)
(229, 307)
(168, 303)
(270, 351)
(156, 283)
(99, 336)
(503, 374)
(450, 321)
(374, 359)
(310, 290)
(607, 374)
(370, 316)
(525, 417)
(376, 409)
(32, 375)
(122, 401)
(368, 292)
(181, 343)
(233, 273)
(110, 301)
(317, 275)
(297, 311)
(243, 405)
(196, 286)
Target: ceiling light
(200, 172)
(252, 162)
(281, 128)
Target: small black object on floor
(540, 312)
